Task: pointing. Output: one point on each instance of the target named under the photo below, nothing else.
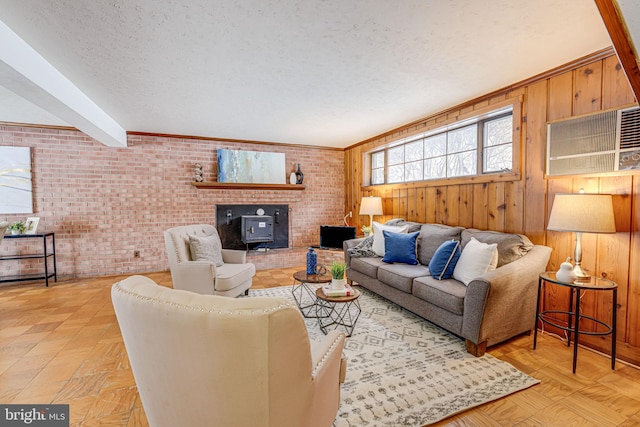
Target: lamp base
(581, 275)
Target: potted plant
(17, 227)
(338, 281)
(366, 229)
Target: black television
(332, 236)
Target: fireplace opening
(253, 227)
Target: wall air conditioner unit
(597, 143)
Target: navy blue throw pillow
(444, 260)
(400, 247)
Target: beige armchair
(231, 278)
(204, 360)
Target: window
(463, 149)
(377, 167)
(497, 147)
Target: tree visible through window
(484, 144)
(497, 145)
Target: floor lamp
(371, 206)
(582, 213)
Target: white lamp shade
(584, 213)
(371, 206)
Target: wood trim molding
(244, 186)
(31, 125)
(611, 16)
(243, 141)
(445, 182)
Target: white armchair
(204, 360)
(231, 279)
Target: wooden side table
(303, 293)
(573, 312)
(336, 312)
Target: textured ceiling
(328, 73)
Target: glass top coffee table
(304, 290)
(337, 312)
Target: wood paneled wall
(521, 202)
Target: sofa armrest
(194, 276)
(234, 256)
(347, 244)
(502, 303)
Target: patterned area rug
(405, 371)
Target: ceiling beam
(614, 22)
(27, 74)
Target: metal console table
(45, 256)
(573, 312)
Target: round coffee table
(304, 293)
(337, 312)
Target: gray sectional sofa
(494, 307)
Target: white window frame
(480, 149)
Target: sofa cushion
(368, 266)
(206, 248)
(432, 236)
(230, 276)
(510, 246)
(400, 276)
(447, 294)
(445, 259)
(412, 227)
(475, 260)
(400, 247)
(378, 237)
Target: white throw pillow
(378, 236)
(206, 248)
(475, 260)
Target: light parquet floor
(62, 344)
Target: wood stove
(256, 229)
(232, 228)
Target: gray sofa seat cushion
(510, 246)
(432, 236)
(447, 294)
(368, 266)
(400, 276)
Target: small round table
(304, 294)
(336, 312)
(573, 312)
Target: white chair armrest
(326, 355)
(234, 256)
(195, 276)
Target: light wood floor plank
(62, 344)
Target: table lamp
(582, 213)
(371, 206)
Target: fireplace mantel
(246, 186)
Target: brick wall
(103, 203)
